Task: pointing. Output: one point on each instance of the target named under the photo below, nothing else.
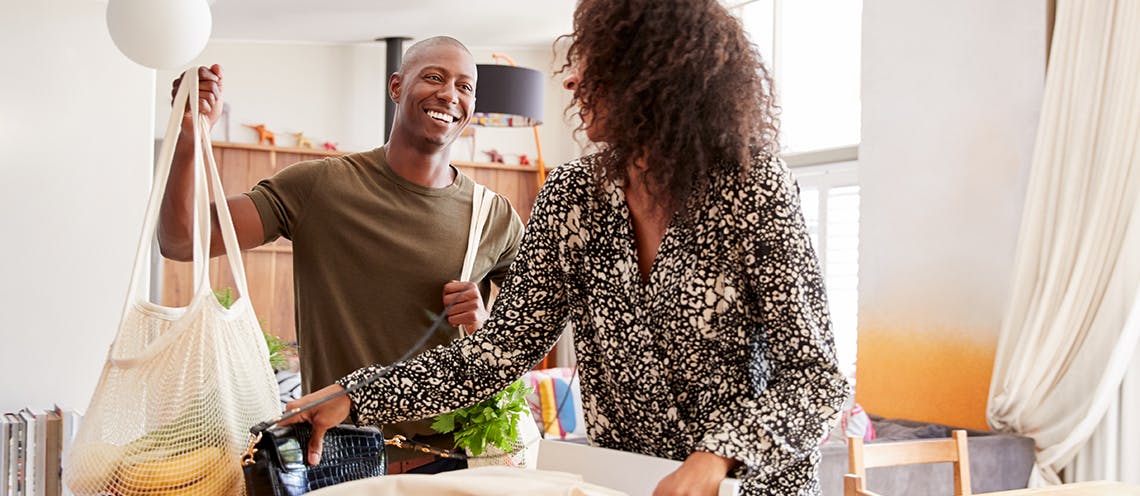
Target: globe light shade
(160, 34)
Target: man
(377, 235)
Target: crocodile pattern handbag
(278, 465)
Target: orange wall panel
(939, 375)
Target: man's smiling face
(435, 92)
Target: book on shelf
(32, 451)
(40, 463)
(15, 454)
(28, 484)
(69, 425)
(52, 451)
(5, 437)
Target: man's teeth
(440, 116)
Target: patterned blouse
(726, 348)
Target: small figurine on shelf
(523, 160)
(302, 141)
(263, 135)
(494, 156)
(328, 145)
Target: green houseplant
(491, 422)
(279, 351)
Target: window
(812, 48)
(829, 195)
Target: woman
(681, 257)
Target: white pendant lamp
(160, 34)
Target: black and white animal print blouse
(727, 348)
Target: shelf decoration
(494, 156)
(302, 141)
(263, 135)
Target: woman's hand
(321, 418)
(700, 475)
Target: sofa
(997, 462)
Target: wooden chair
(860, 457)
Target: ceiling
(483, 23)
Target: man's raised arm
(175, 221)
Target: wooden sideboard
(269, 268)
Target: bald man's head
(434, 93)
(415, 54)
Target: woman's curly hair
(677, 85)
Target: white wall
(329, 92)
(951, 96)
(75, 135)
(337, 93)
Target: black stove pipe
(395, 47)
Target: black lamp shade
(508, 96)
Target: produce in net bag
(181, 386)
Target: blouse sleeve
(525, 323)
(788, 419)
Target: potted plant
(279, 351)
(489, 431)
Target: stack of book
(32, 444)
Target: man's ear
(395, 85)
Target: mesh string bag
(181, 386)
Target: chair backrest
(860, 458)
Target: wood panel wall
(518, 184)
(269, 268)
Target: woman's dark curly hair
(677, 86)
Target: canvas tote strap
(481, 200)
(225, 219)
(141, 269)
(205, 176)
(204, 170)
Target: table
(1098, 488)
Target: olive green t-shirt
(371, 253)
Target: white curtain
(1112, 453)
(1071, 328)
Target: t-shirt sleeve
(280, 198)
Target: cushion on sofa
(998, 462)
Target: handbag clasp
(247, 457)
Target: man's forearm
(175, 220)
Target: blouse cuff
(358, 414)
(764, 455)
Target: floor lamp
(510, 96)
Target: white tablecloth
(483, 481)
